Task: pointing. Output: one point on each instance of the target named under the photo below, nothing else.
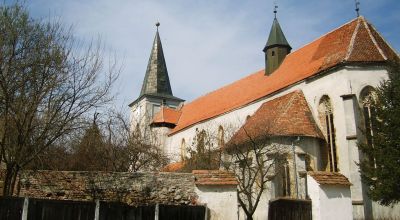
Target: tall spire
(156, 80)
(276, 48)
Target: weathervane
(157, 25)
(275, 8)
(357, 7)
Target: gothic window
(201, 136)
(221, 137)
(183, 149)
(273, 53)
(367, 98)
(286, 181)
(282, 181)
(328, 127)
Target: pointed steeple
(276, 48)
(156, 80)
(276, 36)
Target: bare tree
(130, 150)
(252, 155)
(255, 162)
(48, 82)
(203, 153)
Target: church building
(314, 99)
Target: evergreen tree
(380, 167)
(91, 153)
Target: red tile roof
(167, 115)
(354, 42)
(214, 177)
(173, 167)
(329, 178)
(288, 115)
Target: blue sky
(207, 43)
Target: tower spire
(277, 46)
(156, 80)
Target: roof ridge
(374, 40)
(320, 37)
(352, 41)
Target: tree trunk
(249, 217)
(10, 179)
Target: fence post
(157, 211)
(205, 212)
(25, 209)
(97, 210)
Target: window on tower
(155, 109)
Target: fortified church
(314, 99)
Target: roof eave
(156, 96)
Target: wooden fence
(167, 212)
(11, 208)
(111, 211)
(14, 208)
(56, 209)
(287, 209)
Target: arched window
(183, 149)
(201, 136)
(327, 124)
(282, 179)
(367, 98)
(221, 137)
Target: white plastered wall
(329, 201)
(220, 200)
(342, 81)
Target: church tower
(276, 48)
(156, 90)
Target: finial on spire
(157, 25)
(275, 8)
(357, 7)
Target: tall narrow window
(221, 137)
(367, 98)
(201, 136)
(183, 149)
(286, 180)
(282, 179)
(328, 127)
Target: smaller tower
(156, 90)
(276, 48)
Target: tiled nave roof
(354, 42)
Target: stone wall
(130, 188)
